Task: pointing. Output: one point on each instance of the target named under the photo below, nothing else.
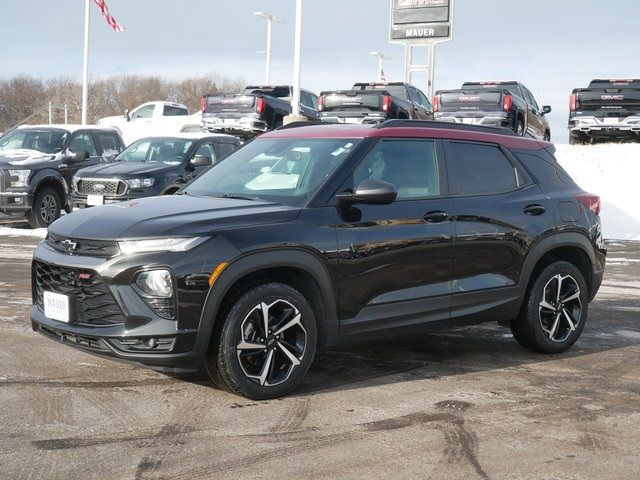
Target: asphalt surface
(462, 404)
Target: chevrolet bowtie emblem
(69, 246)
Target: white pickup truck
(153, 119)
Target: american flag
(102, 5)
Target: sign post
(416, 23)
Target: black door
(80, 142)
(395, 260)
(499, 212)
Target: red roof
(368, 131)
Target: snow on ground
(613, 172)
(6, 231)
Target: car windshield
(285, 171)
(171, 151)
(41, 141)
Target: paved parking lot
(462, 404)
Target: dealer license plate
(56, 306)
(94, 200)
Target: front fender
(280, 258)
(50, 174)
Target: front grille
(97, 186)
(90, 343)
(91, 301)
(87, 248)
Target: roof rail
(307, 123)
(446, 126)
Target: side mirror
(79, 156)
(127, 116)
(201, 161)
(546, 109)
(372, 192)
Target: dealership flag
(102, 5)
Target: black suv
(151, 166)
(313, 236)
(37, 164)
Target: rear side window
(481, 169)
(170, 111)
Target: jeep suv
(37, 164)
(312, 236)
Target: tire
(547, 136)
(239, 352)
(542, 325)
(520, 128)
(46, 208)
(576, 139)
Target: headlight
(19, 178)
(157, 283)
(129, 247)
(141, 182)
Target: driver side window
(143, 112)
(208, 151)
(83, 142)
(410, 165)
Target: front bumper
(177, 345)
(15, 203)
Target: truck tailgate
(608, 100)
(230, 103)
(470, 100)
(353, 101)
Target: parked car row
(46, 169)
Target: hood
(24, 158)
(170, 216)
(125, 169)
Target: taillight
(572, 102)
(203, 104)
(386, 103)
(260, 105)
(591, 201)
(507, 102)
(435, 104)
(320, 103)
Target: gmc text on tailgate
(374, 103)
(257, 110)
(496, 104)
(608, 109)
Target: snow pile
(22, 232)
(613, 172)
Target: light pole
(381, 58)
(270, 19)
(297, 58)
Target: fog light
(156, 283)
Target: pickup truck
(608, 109)
(495, 104)
(37, 164)
(151, 118)
(374, 103)
(256, 110)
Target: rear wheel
(547, 136)
(576, 138)
(555, 310)
(520, 128)
(46, 208)
(266, 343)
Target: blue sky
(551, 46)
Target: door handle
(534, 210)
(436, 216)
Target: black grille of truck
(91, 301)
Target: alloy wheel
(272, 342)
(560, 310)
(48, 208)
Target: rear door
(420, 111)
(535, 124)
(395, 260)
(499, 211)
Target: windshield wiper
(237, 196)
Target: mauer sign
(420, 21)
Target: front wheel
(555, 310)
(266, 343)
(46, 208)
